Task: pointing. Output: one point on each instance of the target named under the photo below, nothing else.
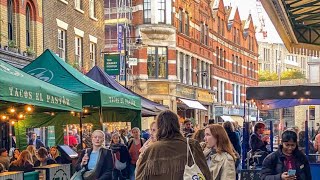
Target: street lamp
(138, 41)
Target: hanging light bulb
(12, 110)
(29, 108)
(21, 116)
(4, 117)
(12, 122)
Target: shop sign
(205, 96)
(158, 88)
(187, 92)
(312, 113)
(112, 64)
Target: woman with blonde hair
(32, 150)
(23, 163)
(222, 164)
(55, 155)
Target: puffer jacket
(273, 166)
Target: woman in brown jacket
(222, 163)
(166, 158)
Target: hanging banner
(112, 64)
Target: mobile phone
(291, 172)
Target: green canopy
(19, 87)
(50, 68)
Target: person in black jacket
(257, 142)
(34, 141)
(120, 153)
(43, 158)
(89, 158)
(288, 158)
(233, 136)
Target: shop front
(234, 114)
(205, 97)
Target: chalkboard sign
(250, 174)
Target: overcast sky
(247, 6)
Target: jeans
(132, 171)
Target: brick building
(21, 31)
(197, 56)
(75, 31)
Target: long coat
(166, 159)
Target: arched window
(28, 25)
(10, 20)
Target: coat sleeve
(141, 167)
(201, 160)
(267, 171)
(78, 165)
(107, 167)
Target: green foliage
(30, 51)
(12, 44)
(292, 74)
(267, 76)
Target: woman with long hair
(55, 155)
(152, 139)
(166, 158)
(288, 162)
(16, 154)
(222, 164)
(23, 163)
(33, 152)
(97, 161)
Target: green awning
(52, 69)
(19, 87)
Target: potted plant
(12, 46)
(30, 52)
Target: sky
(249, 6)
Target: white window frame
(62, 40)
(78, 51)
(77, 5)
(92, 8)
(93, 47)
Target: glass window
(78, 4)
(217, 56)
(181, 67)
(186, 24)
(147, 11)
(187, 69)
(233, 63)
(10, 20)
(62, 43)
(219, 25)
(222, 25)
(162, 11)
(92, 54)
(78, 51)
(234, 34)
(180, 26)
(157, 62)
(92, 8)
(206, 35)
(221, 58)
(202, 33)
(28, 25)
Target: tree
(292, 74)
(267, 76)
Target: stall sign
(187, 92)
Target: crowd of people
(170, 150)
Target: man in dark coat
(36, 142)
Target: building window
(157, 62)
(248, 68)
(186, 24)
(206, 34)
(78, 51)
(10, 20)
(201, 74)
(162, 11)
(180, 26)
(92, 8)
(234, 65)
(234, 35)
(202, 33)
(217, 56)
(187, 69)
(181, 66)
(238, 36)
(224, 59)
(92, 54)
(221, 58)
(147, 11)
(222, 26)
(219, 25)
(28, 25)
(240, 66)
(62, 43)
(78, 4)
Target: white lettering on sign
(122, 101)
(22, 93)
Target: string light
(21, 116)
(12, 122)
(4, 117)
(29, 109)
(12, 110)
(85, 110)
(52, 114)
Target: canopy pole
(245, 137)
(271, 136)
(80, 124)
(306, 135)
(101, 118)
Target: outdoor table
(54, 171)
(11, 175)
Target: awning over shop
(19, 87)
(193, 104)
(227, 118)
(149, 108)
(238, 119)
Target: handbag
(78, 175)
(118, 164)
(192, 172)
